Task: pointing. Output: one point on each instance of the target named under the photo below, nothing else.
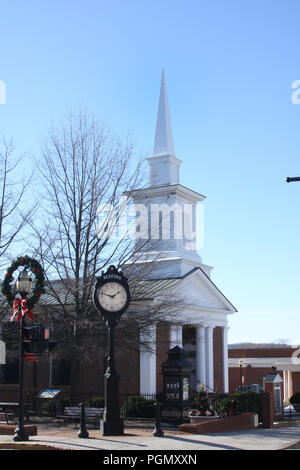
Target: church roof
(141, 290)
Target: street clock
(111, 294)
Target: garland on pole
(16, 301)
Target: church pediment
(200, 291)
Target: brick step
(9, 429)
(234, 423)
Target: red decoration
(30, 357)
(20, 308)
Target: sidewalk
(140, 438)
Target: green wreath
(35, 267)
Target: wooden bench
(73, 413)
(9, 418)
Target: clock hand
(116, 294)
(103, 293)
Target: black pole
(241, 376)
(20, 432)
(290, 180)
(158, 432)
(111, 424)
(111, 358)
(82, 433)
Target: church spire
(163, 143)
(164, 165)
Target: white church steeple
(164, 166)
(166, 221)
(163, 142)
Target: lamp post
(23, 287)
(241, 364)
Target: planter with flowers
(196, 416)
(203, 408)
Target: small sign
(48, 393)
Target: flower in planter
(202, 403)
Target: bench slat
(74, 411)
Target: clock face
(112, 296)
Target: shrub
(49, 407)
(239, 402)
(95, 402)
(138, 407)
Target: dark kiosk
(111, 298)
(176, 377)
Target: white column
(148, 360)
(209, 358)
(175, 336)
(225, 359)
(290, 384)
(200, 354)
(285, 386)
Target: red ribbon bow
(24, 309)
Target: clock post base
(111, 428)
(111, 424)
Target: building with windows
(251, 366)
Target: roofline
(168, 187)
(198, 268)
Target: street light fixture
(241, 364)
(24, 283)
(22, 296)
(23, 287)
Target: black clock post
(111, 298)
(111, 424)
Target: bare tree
(17, 205)
(83, 169)
(15, 211)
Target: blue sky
(229, 69)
